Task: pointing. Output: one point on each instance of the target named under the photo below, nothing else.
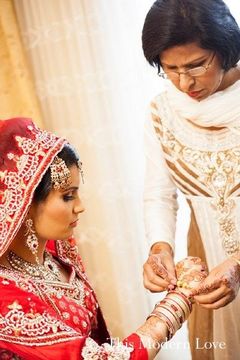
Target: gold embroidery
(32, 328)
(218, 170)
(15, 306)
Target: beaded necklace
(49, 270)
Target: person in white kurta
(205, 166)
(193, 144)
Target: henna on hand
(191, 271)
(220, 287)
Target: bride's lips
(74, 223)
(194, 94)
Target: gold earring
(31, 240)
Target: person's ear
(31, 211)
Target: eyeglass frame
(164, 75)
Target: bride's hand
(191, 271)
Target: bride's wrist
(153, 333)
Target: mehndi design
(175, 308)
(190, 272)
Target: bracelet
(173, 310)
(166, 307)
(177, 309)
(182, 301)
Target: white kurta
(205, 166)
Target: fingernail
(174, 281)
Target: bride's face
(183, 58)
(57, 216)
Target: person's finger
(161, 271)
(156, 261)
(155, 289)
(156, 281)
(170, 267)
(213, 296)
(171, 287)
(218, 304)
(165, 259)
(206, 287)
(150, 277)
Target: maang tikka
(31, 240)
(60, 174)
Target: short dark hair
(70, 157)
(176, 22)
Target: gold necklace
(49, 270)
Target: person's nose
(185, 82)
(78, 207)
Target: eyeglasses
(194, 72)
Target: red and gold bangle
(184, 308)
(181, 296)
(176, 308)
(173, 310)
(178, 301)
(170, 313)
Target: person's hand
(159, 269)
(220, 287)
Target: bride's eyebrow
(71, 188)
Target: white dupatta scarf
(222, 109)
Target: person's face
(56, 217)
(188, 56)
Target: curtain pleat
(17, 92)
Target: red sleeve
(139, 352)
(67, 350)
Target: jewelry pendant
(49, 271)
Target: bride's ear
(31, 211)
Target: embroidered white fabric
(216, 221)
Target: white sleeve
(160, 193)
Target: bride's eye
(68, 197)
